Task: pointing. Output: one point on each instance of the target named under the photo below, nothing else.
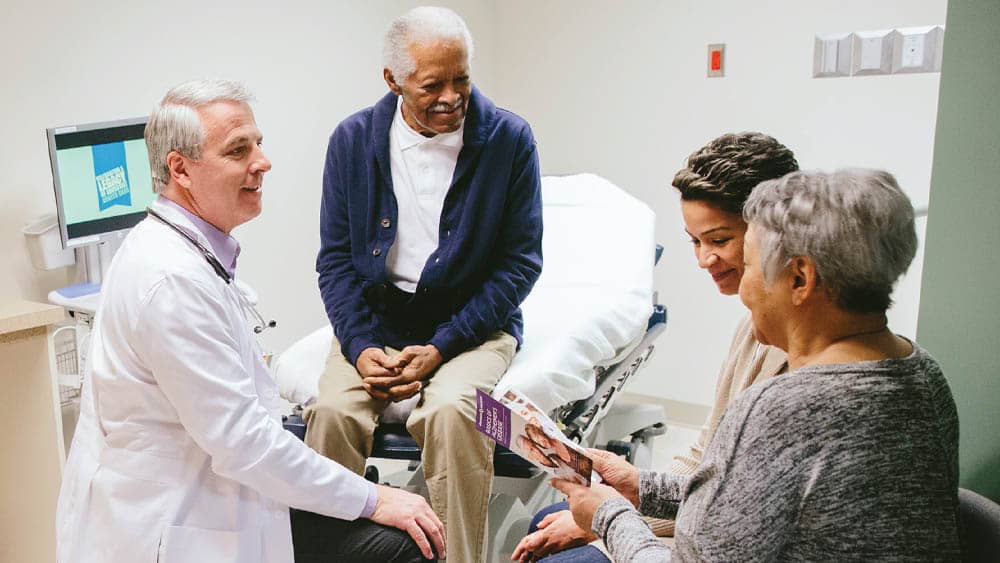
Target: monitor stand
(86, 296)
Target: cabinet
(31, 435)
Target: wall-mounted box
(872, 52)
(832, 55)
(917, 49)
(44, 245)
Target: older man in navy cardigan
(431, 229)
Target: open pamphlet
(516, 423)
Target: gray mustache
(445, 108)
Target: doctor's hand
(556, 532)
(617, 473)
(411, 513)
(584, 501)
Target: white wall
(616, 88)
(619, 89)
(310, 64)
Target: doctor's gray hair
(856, 225)
(421, 25)
(175, 125)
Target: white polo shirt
(422, 170)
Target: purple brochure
(492, 418)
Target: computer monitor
(101, 176)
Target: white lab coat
(179, 455)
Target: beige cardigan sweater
(748, 362)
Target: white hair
(421, 25)
(175, 125)
(856, 225)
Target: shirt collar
(408, 138)
(225, 247)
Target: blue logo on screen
(111, 174)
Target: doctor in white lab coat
(180, 455)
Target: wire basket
(67, 364)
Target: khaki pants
(457, 459)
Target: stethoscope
(220, 271)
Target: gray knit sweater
(849, 462)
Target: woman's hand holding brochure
(617, 473)
(584, 501)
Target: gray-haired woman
(851, 455)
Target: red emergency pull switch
(716, 56)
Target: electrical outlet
(872, 52)
(832, 55)
(917, 49)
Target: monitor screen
(101, 177)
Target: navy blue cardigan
(490, 236)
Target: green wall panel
(959, 320)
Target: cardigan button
(376, 252)
(386, 223)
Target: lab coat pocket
(128, 511)
(185, 544)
